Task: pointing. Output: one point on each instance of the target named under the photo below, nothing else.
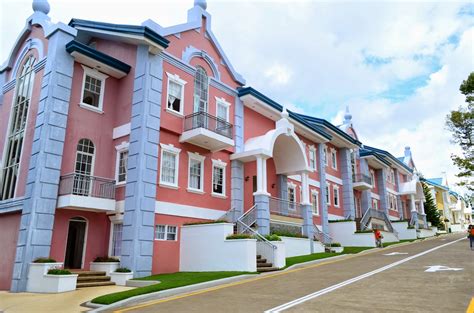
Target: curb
(167, 293)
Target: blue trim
(387, 154)
(379, 157)
(431, 182)
(124, 29)
(74, 46)
(243, 91)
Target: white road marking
(321, 292)
(438, 268)
(396, 253)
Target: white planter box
(107, 267)
(120, 278)
(40, 281)
(337, 249)
(295, 246)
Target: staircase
(92, 279)
(263, 266)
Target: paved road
(368, 282)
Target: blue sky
(396, 64)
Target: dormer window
(93, 90)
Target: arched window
(201, 90)
(14, 143)
(84, 167)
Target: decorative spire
(284, 113)
(201, 3)
(347, 116)
(41, 6)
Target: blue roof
(386, 155)
(243, 91)
(438, 182)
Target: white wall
(300, 246)
(275, 256)
(344, 233)
(389, 237)
(423, 233)
(456, 228)
(204, 248)
(404, 232)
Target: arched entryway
(76, 243)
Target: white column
(413, 205)
(305, 188)
(261, 175)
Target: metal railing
(210, 122)
(87, 186)
(413, 219)
(361, 178)
(321, 236)
(228, 216)
(372, 213)
(284, 207)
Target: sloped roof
(386, 155)
(438, 182)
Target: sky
(397, 65)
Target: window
(122, 163)
(312, 158)
(291, 197)
(353, 163)
(326, 163)
(175, 97)
(218, 177)
(166, 232)
(169, 165)
(201, 90)
(196, 172)
(335, 190)
(372, 177)
(16, 132)
(393, 202)
(117, 239)
(93, 89)
(333, 159)
(328, 198)
(375, 204)
(222, 109)
(84, 167)
(315, 202)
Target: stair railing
(322, 236)
(228, 216)
(364, 222)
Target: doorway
(75, 243)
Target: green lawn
(323, 255)
(168, 281)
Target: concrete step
(92, 278)
(267, 269)
(94, 284)
(259, 256)
(88, 273)
(264, 265)
(261, 261)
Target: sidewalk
(68, 302)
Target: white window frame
(375, 204)
(176, 151)
(328, 194)
(292, 205)
(372, 176)
(111, 238)
(193, 156)
(312, 155)
(223, 165)
(326, 161)
(334, 159)
(177, 80)
(336, 195)
(315, 204)
(166, 232)
(223, 102)
(123, 147)
(97, 75)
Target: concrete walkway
(68, 302)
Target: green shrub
(101, 259)
(410, 227)
(205, 222)
(364, 231)
(123, 270)
(288, 234)
(338, 221)
(44, 260)
(335, 244)
(57, 271)
(238, 236)
(272, 237)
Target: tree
(461, 123)
(432, 213)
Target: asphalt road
(367, 282)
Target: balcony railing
(361, 178)
(209, 122)
(284, 207)
(87, 186)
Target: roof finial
(201, 3)
(41, 6)
(284, 113)
(347, 116)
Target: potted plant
(105, 264)
(121, 275)
(336, 247)
(36, 271)
(59, 280)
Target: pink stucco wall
(97, 234)
(9, 226)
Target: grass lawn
(168, 281)
(323, 255)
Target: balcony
(86, 192)
(286, 208)
(361, 182)
(207, 131)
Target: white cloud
(278, 74)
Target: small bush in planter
(58, 271)
(123, 270)
(238, 236)
(335, 244)
(205, 222)
(272, 237)
(101, 259)
(288, 234)
(44, 260)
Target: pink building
(112, 137)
